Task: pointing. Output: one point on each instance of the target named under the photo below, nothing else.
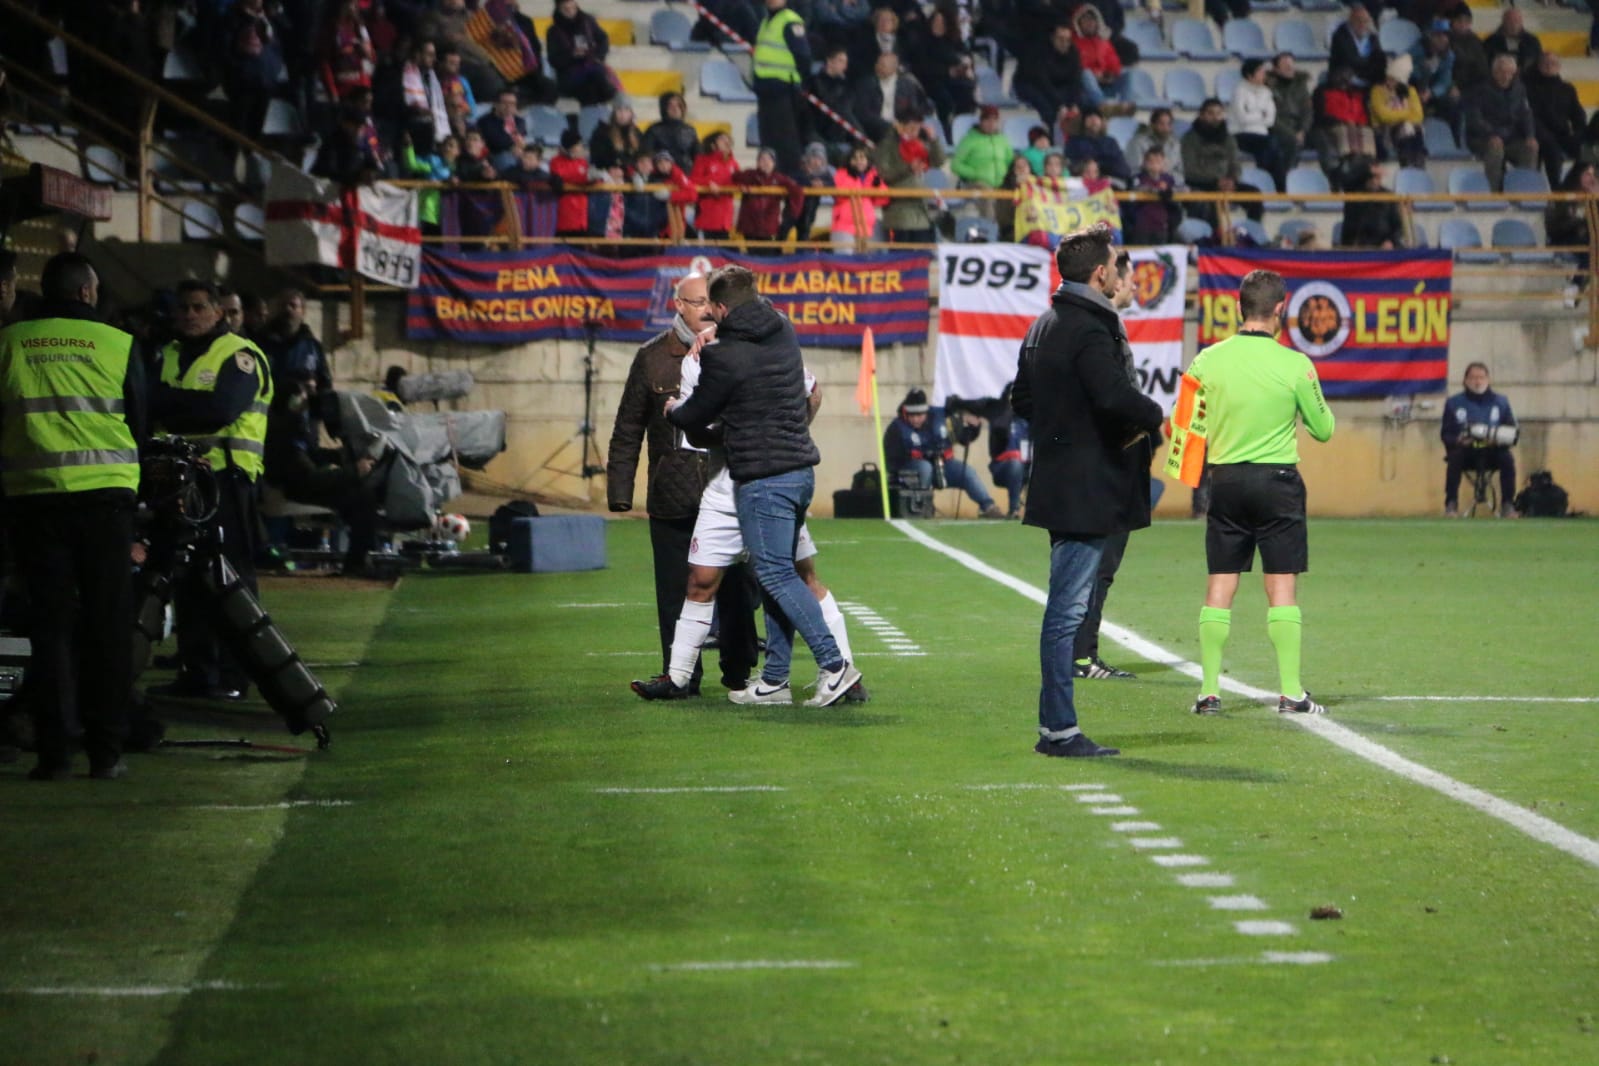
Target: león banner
(1375, 323)
(516, 297)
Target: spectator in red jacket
(571, 167)
(856, 173)
(348, 57)
(1342, 127)
(713, 170)
(1098, 56)
(761, 216)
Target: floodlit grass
(903, 881)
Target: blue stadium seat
(1516, 233)
(282, 120)
(974, 229)
(1338, 235)
(1185, 87)
(1141, 87)
(1307, 181)
(721, 79)
(1227, 80)
(249, 222)
(1296, 36)
(1466, 180)
(672, 28)
(1418, 234)
(1415, 181)
(1015, 129)
(1526, 180)
(1122, 128)
(1460, 236)
(1291, 229)
(960, 125)
(1253, 230)
(1397, 35)
(1440, 140)
(1146, 35)
(201, 221)
(102, 164)
(180, 65)
(590, 116)
(1250, 174)
(752, 130)
(991, 88)
(1194, 230)
(1245, 39)
(1192, 40)
(1318, 5)
(544, 124)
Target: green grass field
(506, 857)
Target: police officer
(781, 60)
(71, 412)
(215, 388)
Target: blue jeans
(1010, 475)
(770, 510)
(957, 475)
(1073, 565)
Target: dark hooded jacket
(752, 381)
(673, 135)
(1077, 387)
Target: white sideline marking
(1269, 958)
(1544, 830)
(1265, 927)
(701, 788)
(758, 964)
(286, 805)
(899, 644)
(1155, 843)
(1097, 797)
(1004, 788)
(1113, 810)
(1296, 958)
(1237, 903)
(1205, 880)
(127, 991)
(1082, 787)
(1180, 860)
(594, 605)
(1135, 827)
(1484, 699)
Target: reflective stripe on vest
(63, 427)
(245, 438)
(772, 59)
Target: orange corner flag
(864, 385)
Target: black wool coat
(1076, 385)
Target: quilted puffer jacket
(677, 475)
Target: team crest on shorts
(694, 546)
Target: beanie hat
(915, 403)
(1400, 66)
(570, 137)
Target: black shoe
(857, 693)
(1076, 747)
(1207, 705)
(735, 684)
(662, 687)
(1098, 669)
(1303, 705)
(114, 772)
(53, 771)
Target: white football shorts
(717, 539)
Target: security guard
(71, 412)
(781, 60)
(215, 389)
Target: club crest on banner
(1153, 279)
(1319, 318)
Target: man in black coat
(1557, 115)
(1356, 45)
(1091, 427)
(753, 382)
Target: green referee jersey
(1254, 392)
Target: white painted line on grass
(1024, 785)
(1237, 903)
(757, 964)
(1155, 843)
(698, 788)
(1536, 826)
(1082, 787)
(1296, 958)
(899, 644)
(586, 606)
(1265, 927)
(1179, 860)
(1113, 810)
(286, 805)
(126, 991)
(1266, 958)
(1135, 827)
(1481, 699)
(1097, 797)
(1205, 880)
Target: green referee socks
(1214, 625)
(1283, 626)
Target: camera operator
(71, 412)
(1010, 451)
(308, 474)
(1477, 431)
(920, 452)
(215, 389)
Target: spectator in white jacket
(1251, 116)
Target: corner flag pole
(864, 384)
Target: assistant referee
(1255, 392)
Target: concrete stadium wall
(1375, 465)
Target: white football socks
(693, 630)
(835, 625)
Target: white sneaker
(832, 686)
(1570, 296)
(758, 691)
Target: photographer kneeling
(1478, 429)
(919, 451)
(306, 473)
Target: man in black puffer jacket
(753, 381)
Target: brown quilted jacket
(677, 476)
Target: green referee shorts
(1256, 505)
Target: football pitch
(507, 857)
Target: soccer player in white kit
(716, 545)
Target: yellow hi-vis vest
(63, 423)
(772, 58)
(245, 438)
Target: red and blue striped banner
(1376, 323)
(515, 297)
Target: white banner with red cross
(372, 228)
